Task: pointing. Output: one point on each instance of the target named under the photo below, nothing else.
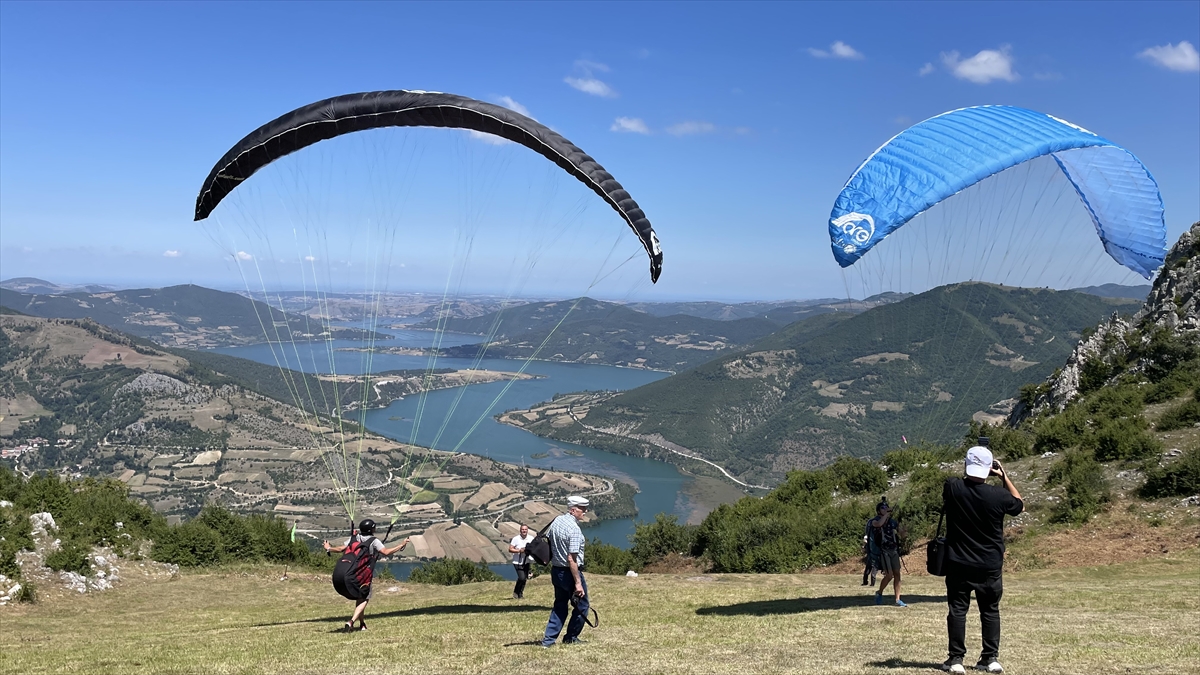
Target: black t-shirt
(975, 522)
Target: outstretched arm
(389, 551)
(332, 549)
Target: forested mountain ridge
(178, 316)
(834, 385)
(593, 331)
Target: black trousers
(988, 586)
(522, 577)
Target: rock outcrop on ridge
(1171, 306)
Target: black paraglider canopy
(347, 114)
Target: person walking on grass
(886, 534)
(975, 514)
(365, 536)
(566, 574)
(520, 561)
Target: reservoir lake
(471, 426)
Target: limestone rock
(1171, 304)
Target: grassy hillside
(1131, 618)
(834, 385)
(184, 316)
(592, 331)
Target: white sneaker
(954, 668)
(993, 667)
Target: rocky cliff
(1120, 346)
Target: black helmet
(367, 526)
(883, 504)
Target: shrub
(1173, 386)
(191, 544)
(231, 530)
(1002, 440)
(856, 476)
(1125, 439)
(1182, 416)
(451, 572)
(273, 541)
(904, 460)
(778, 536)
(1086, 487)
(810, 489)
(1178, 479)
(654, 541)
(605, 558)
(1094, 373)
(922, 502)
(71, 556)
(28, 593)
(1059, 432)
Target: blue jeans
(564, 588)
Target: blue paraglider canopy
(946, 154)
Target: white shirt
(520, 542)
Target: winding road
(665, 445)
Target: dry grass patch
(1133, 618)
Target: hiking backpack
(353, 572)
(539, 548)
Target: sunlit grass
(1132, 618)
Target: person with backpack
(975, 514)
(355, 570)
(886, 534)
(520, 560)
(566, 574)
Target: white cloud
(590, 85)
(242, 255)
(986, 66)
(508, 102)
(837, 50)
(589, 66)
(633, 125)
(691, 127)
(1182, 57)
(171, 254)
(925, 69)
(310, 258)
(643, 53)
(587, 82)
(742, 131)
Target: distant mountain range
(178, 316)
(1138, 293)
(854, 384)
(780, 313)
(593, 331)
(36, 286)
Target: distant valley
(848, 384)
(186, 316)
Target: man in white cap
(975, 553)
(566, 574)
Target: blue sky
(734, 125)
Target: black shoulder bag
(539, 548)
